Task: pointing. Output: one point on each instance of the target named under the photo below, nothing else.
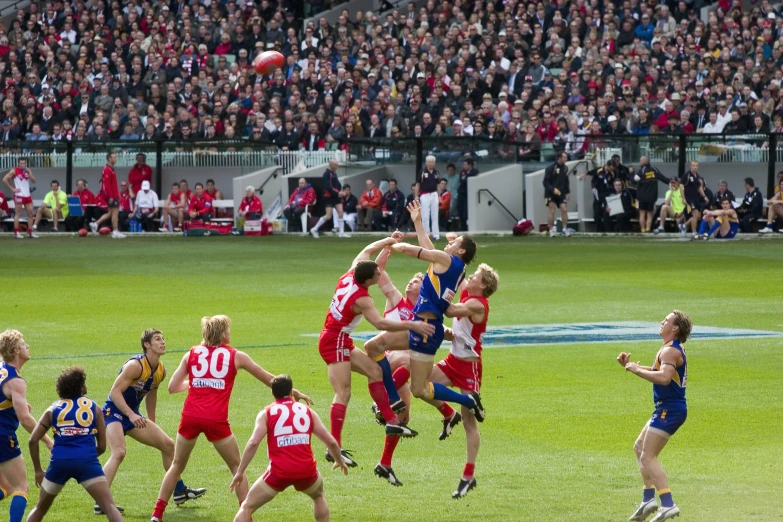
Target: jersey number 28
(300, 423)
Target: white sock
(341, 225)
(321, 221)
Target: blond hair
(489, 278)
(683, 324)
(10, 341)
(214, 329)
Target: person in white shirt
(146, 206)
(724, 114)
(22, 177)
(713, 126)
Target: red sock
(378, 394)
(160, 507)
(467, 473)
(401, 376)
(388, 450)
(337, 418)
(16, 230)
(446, 410)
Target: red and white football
(268, 62)
(83, 232)
(104, 231)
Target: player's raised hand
(341, 465)
(423, 328)
(398, 236)
(138, 421)
(632, 367)
(236, 481)
(415, 210)
(451, 236)
(299, 396)
(623, 358)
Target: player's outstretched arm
(470, 308)
(100, 426)
(368, 310)
(38, 433)
(372, 249)
(245, 362)
(250, 450)
(320, 431)
(438, 257)
(625, 358)
(663, 377)
(390, 292)
(414, 208)
(18, 390)
(179, 381)
(131, 371)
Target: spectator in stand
(695, 198)
(303, 196)
(250, 206)
(713, 126)
(468, 171)
(751, 208)
(139, 173)
(392, 206)
(127, 205)
(444, 205)
(557, 191)
(200, 205)
(332, 191)
(146, 207)
(722, 193)
(531, 140)
(369, 206)
(173, 213)
(774, 210)
(428, 180)
(647, 178)
(54, 208)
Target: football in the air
(83, 232)
(268, 62)
(104, 231)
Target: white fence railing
(126, 158)
(731, 151)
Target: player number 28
(84, 414)
(301, 421)
(217, 363)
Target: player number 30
(301, 420)
(217, 363)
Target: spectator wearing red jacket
(669, 113)
(548, 128)
(138, 173)
(111, 194)
(297, 204)
(250, 207)
(200, 204)
(369, 204)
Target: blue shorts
(62, 470)
(112, 414)
(428, 344)
(731, 234)
(9, 447)
(668, 418)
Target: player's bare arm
(368, 310)
(440, 258)
(151, 404)
(390, 292)
(320, 431)
(131, 371)
(670, 359)
(245, 362)
(17, 389)
(100, 435)
(624, 358)
(7, 180)
(259, 432)
(38, 433)
(414, 208)
(471, 308)
(372, 249)
(179, 380)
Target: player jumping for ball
(288, 427)
(669, 376)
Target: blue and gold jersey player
(79, 438)
(440, 284)
(669, 376)
(14, 411)
(139, 379)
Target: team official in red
(200, 204)
(207, 372)
(111, 194)
(250, 207)
(350, 303)
(461, 368)
(139, 173)
(290, 427)
(23, 198)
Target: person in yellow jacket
(673, 207)
(54, 208)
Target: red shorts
(335, 346)
(465, 375)
(192, 427)
(20, 200)
(279, 483)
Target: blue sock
(715, 226)
(442, 393)
(18, 506)
(180, 487)
(703, 226)
(388, 380)
(649, 494)
(666, 498)
(3, 493)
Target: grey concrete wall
(256, 179)
(507, 184)
(537, 211)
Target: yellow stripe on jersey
(160, 374)
(676, 378)
(434, 279)
(6, 404)
(146, 371)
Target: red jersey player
(350, 303)
(22, 196)
(461, 368)
(208, 371)
(111, 194)
(290, 426)
(200, 204)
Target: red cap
(592, 85)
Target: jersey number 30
(301, 420)
(217, 363)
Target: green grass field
(562, 418)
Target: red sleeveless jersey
(289, 427)
(211, 370)
(341, 317)
(402, 312)
(468, 337)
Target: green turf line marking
(113, 354)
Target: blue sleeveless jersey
(9, 422)
(149, 380)
(437, 290)
(674, 392)
(74, 427)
